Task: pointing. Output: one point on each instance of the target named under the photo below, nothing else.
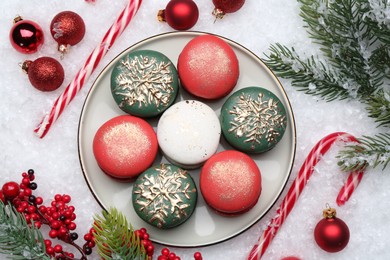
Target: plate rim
(270, 72)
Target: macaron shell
(164, 196)
(230, 182)
(144, 83)
(253, 119)
(188, 133)
(208, 67)
(125, 146)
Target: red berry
(162, 257)
(27, 192)
(177, 258)
(53, 233)
(26, 181)
(37, 224)
(72, 226)
(57, 197)
(55, 224)
(50, 251)
(171, 256)
(2, 198)
(88, 237)
(38, 200)
(165, 251)
(66, 198)
(62, 232)
(143, 230)
(31, 209)
(198, 256)
(10, 190)
(42, 209)
(58, 248)
(47, 242)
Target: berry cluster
(168, 255)
(144, 238)
(60, 217)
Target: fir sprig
(115, 237)
(354, 39)
(370, 151)
(18, 240)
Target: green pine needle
(115, 237)
(370, 151)
(378, 107)
(18, 240)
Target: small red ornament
(26, 36)
(223, 7)
(331, 233)
(45, 73)
(67, 28)
(179, 14)
(10, 190)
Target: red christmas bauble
(223, 7)
(331, 234)
(67, 28)
(180, 14)
(26, 36)
(45, 73)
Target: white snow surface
(256, 26)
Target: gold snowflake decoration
(145, 80)
(257, 118)
(164, 194)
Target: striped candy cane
(90, 65)
(297, 186)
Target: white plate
(204, 227)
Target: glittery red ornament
(45, 73)
(223, 7)
(67, 28)
(331, 233)
(26, 36)
(180, 14)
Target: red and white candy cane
(90, 65)
(297, 186)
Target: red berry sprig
(166, 254)
(59, 215)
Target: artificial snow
(256, 26)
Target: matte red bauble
(67, 28)
(180, 14)
(223, 7)
(26, 36)
(45, 73)
(331, 233)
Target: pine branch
(338, 27)
(378, 107)
(370, 151)
(18, 240)
(310, 76)
(115, 237)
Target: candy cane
(90, 65)
(297, 186)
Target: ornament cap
(25, 65)
(218, 13)
(63, 49)
(161, 15)
(329, 212)
(18, 18)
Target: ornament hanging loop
(329, 212)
